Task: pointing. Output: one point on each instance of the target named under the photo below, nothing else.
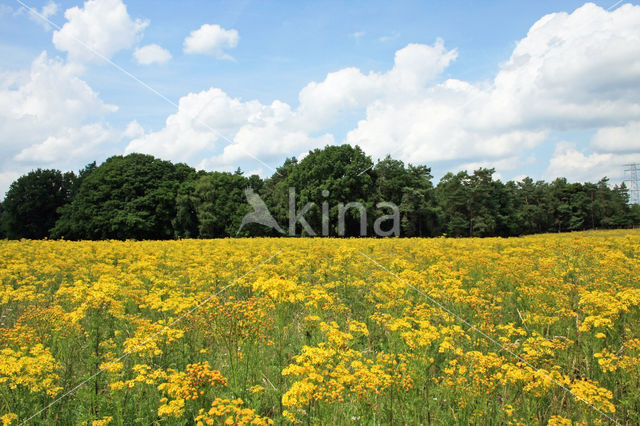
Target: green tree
(634, 215)
(412, 190)
(620, 215)
(471, 204)
(125, 197)
(483, 203)
(580, 202)
(138, 196)
(185, 223)
(452, 195)
(344, 171)
(3, 231)
(531, 213)
(610, 206)
(558, 204)
(212, 206)
(32, 202)
(274, 192)
(508, 205)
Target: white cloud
(133, 130)
(618, 139)
(185, 137)
(414, 66)
(152, 53)
(570, 162)
(50, 94)
(358, 34)
(269, 131)
(42, 15)
(50, 117)
(256, 130)
(72, 142)
(412, 118)
(102, 26)
(211, 40)
(49, 9)
(571, 71)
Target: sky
(541, 88)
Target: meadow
(542, 329)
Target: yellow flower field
(542, 329)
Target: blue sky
(544, 88)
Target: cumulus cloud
(617, 139)
(346, 89)
(49, 117)
(152, 53)
(51, 93)
(267, 132)
(102, 26)
(216, 130)
(432, 130)
(574, 164)
(133, 130)
(71, 142)
(211, 40)
(572, 71)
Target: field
(533, 330)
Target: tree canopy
(141, 197)
(30, 208)
(124, 197)
(211, 206)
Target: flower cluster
(187, 385)
(230, 413)
(532, 330)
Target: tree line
(141, 197)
